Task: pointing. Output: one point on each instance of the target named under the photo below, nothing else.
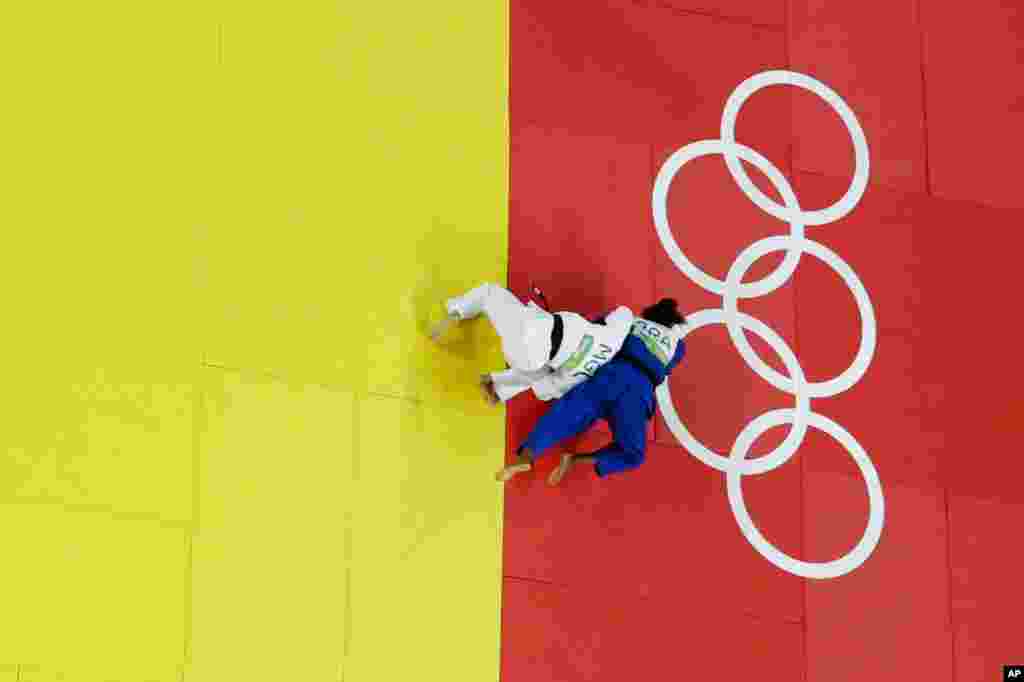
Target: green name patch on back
(657, 342)
(581, 352)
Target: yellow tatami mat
(229, 451)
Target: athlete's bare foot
(523, 464)
(511, 471)
(556, 476)
(487, 386)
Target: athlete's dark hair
(665, 312)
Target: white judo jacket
(586, 347)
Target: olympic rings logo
(795, 244)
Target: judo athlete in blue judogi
(620, 391)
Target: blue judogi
(622, 393)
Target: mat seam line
(198, 421)
(949, 577)
(535, 581)
(189, 586)
(791, 153)
(737, 21)
(652, 175)
(107, 510)
(924, 101)
(389, 396)
(284, 378)
(871, 183)
(507, 421)
(349, 533)
(966, 201)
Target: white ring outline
(659, 206)
(862, 159)
(868, 325)
(724, 463)
(876, 501)
(733, 288)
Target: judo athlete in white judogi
(550, 353)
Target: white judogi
(525, 332)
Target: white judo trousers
(507, 314)
(512, 382)
(525, 332)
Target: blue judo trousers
(622, 393)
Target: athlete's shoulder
(677, 356)
(621, 315)
(570, 315)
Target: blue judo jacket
(622, 393)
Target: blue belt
(644, 369)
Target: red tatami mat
(578, 634)
(665, 532)
(973, 74)
(769, 13)
(869, 52)
(889, 619)
(987, 595)
(649, 575)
